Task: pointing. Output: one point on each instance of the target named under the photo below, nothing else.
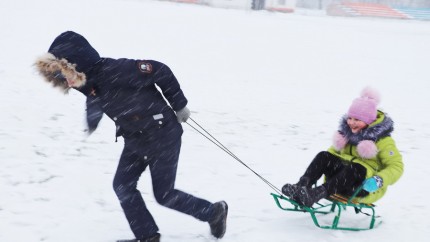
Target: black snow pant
(162, 159)
(341, 177)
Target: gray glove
(183, 115)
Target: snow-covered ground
(272, 87)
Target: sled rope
(215, 141)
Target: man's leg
(129, 169)
(163, 172)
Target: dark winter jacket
(123, 89)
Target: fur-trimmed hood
(69, 56)
(366, 139)
(382, 127)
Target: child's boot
(291, 190)
(308, 196)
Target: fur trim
(57, 71)
(367, 149)
(339, 141)
(373, 132)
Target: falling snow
(272, 87)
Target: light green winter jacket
(374, 149)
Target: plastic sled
(334, 206)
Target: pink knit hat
(364, 108)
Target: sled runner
(335, 205)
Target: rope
(215, 141)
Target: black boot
(308, 196)
(291, 190)
(218, 222)
(153, 238)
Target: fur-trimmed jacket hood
(380, 128)
(70, 56)
(364, 140)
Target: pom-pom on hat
(364, 108)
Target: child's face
(356, 125)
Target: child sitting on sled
(363, 154)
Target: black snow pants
(341, 177)
(161, 156)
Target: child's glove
(183, 115)
(372, 184)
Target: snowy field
(272, 87)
